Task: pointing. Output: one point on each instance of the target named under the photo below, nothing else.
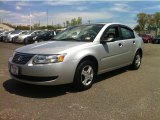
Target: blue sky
(18, 12)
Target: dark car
(156, 40)
(147, 38)
(45, 36)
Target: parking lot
(122, 94)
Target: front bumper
(19, 40)
(45, 74)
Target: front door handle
(120, 45)
(134, 42)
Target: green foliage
(142, 20)
(148, 22)
(73, 22)
(137, 28)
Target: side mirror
(108, 40)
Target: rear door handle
(120, 45)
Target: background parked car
(47, 35)
(10, 37)
(156, 40)
(1, 35)
(30, 39)
(23, 38)
(147, 38)
(4, 35)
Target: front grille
(22, 58)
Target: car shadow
(111, 74)
(36, 91)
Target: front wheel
(25, 41)
(84, 75)
(137, 61)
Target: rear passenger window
(127, 33)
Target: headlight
(34, 38)
(45, 59)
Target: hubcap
(87, 75)
(138, 60)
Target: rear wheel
(137, 61)
(84, 76)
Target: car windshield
(158, 36)
(16, 32)
(84, 33)
(27, 32)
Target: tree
(137, 28)
(157, 21)
(142, 21)
(150, 22)
(74, 21)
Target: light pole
(30, 20)
(47, 17)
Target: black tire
(137, 61)
(40, 40)
(6, 41)
(79, 79)
(25, 41)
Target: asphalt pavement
(122, 94)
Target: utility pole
(30, 20)
(39, 23)
(47, 17)
(89, 21)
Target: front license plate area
(14, 69)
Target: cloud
(153, 7)
(18, 8)
(4, 11)
(82, 8)
(34, 15)
(121, 7)
(62, 3)
(21, 18)
(23, 3)
(62, 17)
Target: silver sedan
(77, 55)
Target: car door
(128, 43)
(111, 52)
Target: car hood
(13, 35)
(49, 47)
(23, 36)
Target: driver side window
(111, 32)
